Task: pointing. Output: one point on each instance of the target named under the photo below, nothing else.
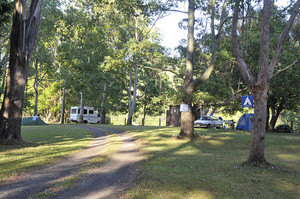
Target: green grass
(45, 145)
(210, 166)
(206, 167)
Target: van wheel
(208, 126)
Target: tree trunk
(23, 37)
(62, 119)
(187, 120)
(145, 111)
(103, 112)
(259, 127)
(275, 116)
(187, 123)
(132, 102)
(36, 89)
(81, 107)
(103, 115)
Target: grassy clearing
(45, 145)
(209, 166)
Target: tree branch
(282, 38)
(286, 68)
(237, 52)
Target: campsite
(96, 104)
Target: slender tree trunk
(103, 112)
(145, 111)
(62, 120)
(103, 116)
(36, 89)
(132, 102)
(23, 37)
(81, 107)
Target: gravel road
(106, 181)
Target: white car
(208, 121)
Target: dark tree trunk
(275, 116)
(103, 116)
(23, 37)
(81, 107)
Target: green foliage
(292, 117)
(6, 8)
(50, 100)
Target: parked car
(284, 128)
(208, 121)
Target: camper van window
(91, 112)
(85, 111)
(73, 111)
(78, 111)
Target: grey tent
(28, 121)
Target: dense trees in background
(107, 54)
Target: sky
(172, 34)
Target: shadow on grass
(211, 164)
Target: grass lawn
(206, 167)
(210, 166)
(45, 145)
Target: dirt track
(107, 181)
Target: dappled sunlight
(289, 157)
(286, 186)
(192, 152)
(215, 142)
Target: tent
(245, 122)
(28, 121)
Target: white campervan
(89, 115)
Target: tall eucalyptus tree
(190, 84)
(23, 36)
(259, 86)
